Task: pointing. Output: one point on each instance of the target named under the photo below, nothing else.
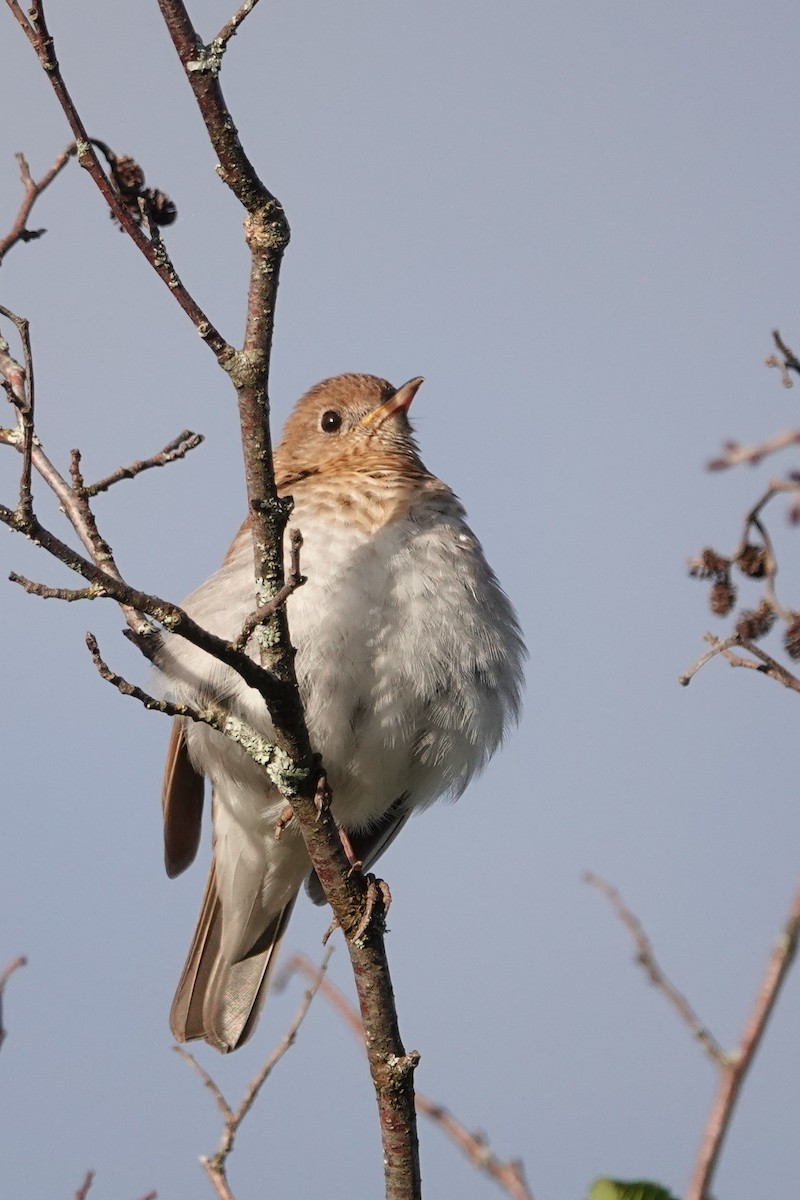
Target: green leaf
(637, 1189)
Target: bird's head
(348, 421)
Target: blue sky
(579, 223)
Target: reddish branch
(34, 25)
(733, 1074)
(646, 959)
(267, 234)
(509, 1175)
(732, 1066)
(5, 975)
(19, 231)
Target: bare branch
(734, 455)
(83, 1190)
(737, 1065)
(178, 448)
(5, 975)
(215, 1167)
(790, 359)
(34, 25)
(645, 957)
(19, 231)
(294, 580)
(55, 593)
(717, 647)
(21, 388)
(509, 1174)
(231, 27)
(766, 664)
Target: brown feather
(217, 1000)
(181, 804)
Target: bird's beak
(399, 402)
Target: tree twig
(19, 231)
(737, 1065)
(215, 1166)
(34, 26)
(83, 1190)
(5, 975)
(509, 1174)
(178, 448)
(766, 664)
(734, 455)
(646, 959)
(231, 27)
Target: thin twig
(734, 455)
(19, 231)
(34, 26)
(83, 1190)
(766, 665)
(20, 380)
(231, 27)
(294, 580)
(645, 958)
(718, 646)
(791, 361)
(5, 975)
(178, 448)
(215, 1166)
(33, 588)
(509, 1174)
(737, 1065)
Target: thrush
(409, 663)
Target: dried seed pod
(709, 565)
(722, 597)
(791, 638)
(752, 561)
(128, 175)
(162, 210)
(755, 624)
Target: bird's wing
(181, 803)
(370, 844)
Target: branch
(231, 27)
(83, 1190)
(34, 26)
(645, 958)
(294, 580)
(509, 1175)
(5, 975)
(734, 454)
(789, 361)
(766, 664)
(178, 448)
(215, 1166)
(19, 231)
(737, 1065)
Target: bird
(409, 661)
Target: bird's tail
(218, 1000)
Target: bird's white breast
(408, 657)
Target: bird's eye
(330, 421)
